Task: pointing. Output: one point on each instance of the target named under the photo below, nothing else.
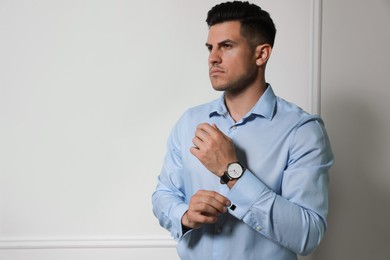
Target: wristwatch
(234, 171)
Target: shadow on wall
(359, 217)
(387, 3)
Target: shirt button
(234, 127)
(218, 230)
(258, 228)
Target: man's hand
(204, 208)
(213, 148)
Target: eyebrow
(208, 45)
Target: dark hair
(256, 24)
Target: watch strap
(225, 178)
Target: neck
(240, 103)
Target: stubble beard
(235, 86)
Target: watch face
(234, 170)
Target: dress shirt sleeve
(168, 199)
(296, 218)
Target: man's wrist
(234, 171)
(185, 223)
(231, 183)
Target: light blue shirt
(281, 201)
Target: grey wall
(355, 106)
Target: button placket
(218, 229)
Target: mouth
(215, 71)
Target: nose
(214, 58)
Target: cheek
(239, 61)
(238, 67)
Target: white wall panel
(89, 91)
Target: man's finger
(208, 129)
(212, 195)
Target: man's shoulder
(293, 112)
(190, 119)
(286, 106)
(202, 110)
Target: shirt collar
(264, 107)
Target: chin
(223, 87)
(219, 87)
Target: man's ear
(263, 52)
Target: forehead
(223, 31)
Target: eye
(227, 45)
(209, 47)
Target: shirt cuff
(177, 230)
(245, 192)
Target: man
(245, 176)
